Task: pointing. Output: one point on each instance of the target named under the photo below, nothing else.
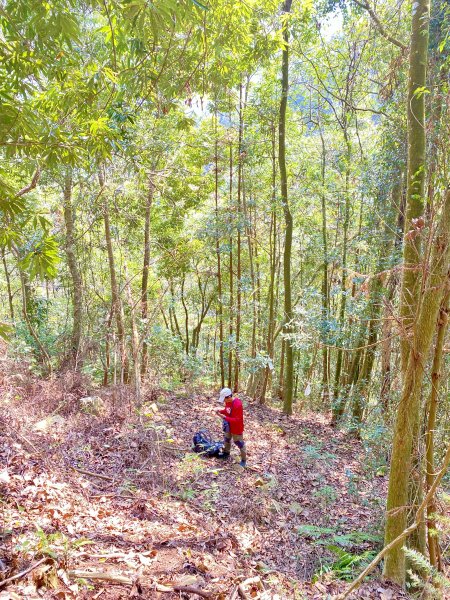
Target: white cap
(224, 393)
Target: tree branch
(379, 25)
(31, 185)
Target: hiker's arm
(238, 416)
(231, 419)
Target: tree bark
(219, 265)
(115, 293)
(436, 376)
(337, 400)
(145, 271)
(288, 387)
(409, 405)
(231, 276)
(8, 285)
(237, 364)
(325, 285)
(273, 269)
(77, 283)
(416, 172)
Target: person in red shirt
(233, 424)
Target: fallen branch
(417, 521)
(99, 475)
(189, 589)
(27, 441)
(101, 576)
(122, 579)
(23, 573)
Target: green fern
(426, 569)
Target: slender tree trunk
(409, 406)
(77, 284)
(273, 269)
(416, 172)
(325, 285)
(115, 294)
(231, 276)
(173, 315)
(337, 409)
(108, 347)
(135, 345)
(145, 271)
(219, 266)
(288, 387)
(8, 285)
(186, 316)
(436, 376)
(237, 364)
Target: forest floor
(118, 510)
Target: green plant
(50, 544)
(425, 577)
(344, 566)
(313, 452)
(325, 536)
(327, 494)
(210, 496)
(187, 494)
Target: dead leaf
(4, 476)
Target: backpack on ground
(204, 444)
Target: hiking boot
(243, 464)
(224, 455)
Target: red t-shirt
(234, 414)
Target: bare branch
(379, 25)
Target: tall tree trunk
(145, 271)
(273, 268)
(237, 364)
(409, 405)
(219, 266)
(325, 286)
(337, 400)
(416, 172)
(288, 313)
(414, 224)
(77, 284)
(231, 276)
(115, 293)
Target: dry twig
(23, 573)
(99, 475)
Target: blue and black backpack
(204, 444)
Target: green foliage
(327, 536)
(346, 564)
(42, 258)
(54, 545)
(425, 577)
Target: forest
(238, 195)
